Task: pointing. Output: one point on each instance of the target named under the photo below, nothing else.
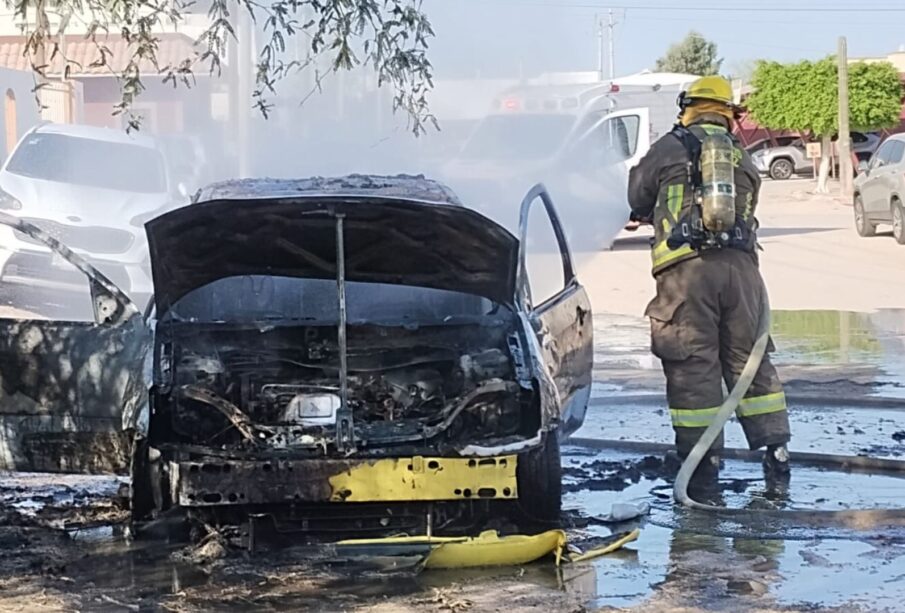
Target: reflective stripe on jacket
(660, 190)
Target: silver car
(790, 157)
(880, 188)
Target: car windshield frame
(283, 300)
(89, 162)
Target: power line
(761, 21)
(714, 9)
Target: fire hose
(853, 517)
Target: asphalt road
(812, 258)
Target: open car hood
(387, 240)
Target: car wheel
(862, 225)
(142, 501)
(539, 481)
(781, 169)
(898, 222)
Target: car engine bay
(242, 388)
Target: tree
(805, 97)
(693, 55)
(388, 36)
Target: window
(520, 136)
(759, 146)
(613, 140)
(781, 141)
(896, 152)
(10, 119)
(883, 155)
(93, 163)
(632, 125)
(620, 136)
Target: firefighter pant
(704, 322)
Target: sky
(505, 38)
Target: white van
(573, 134)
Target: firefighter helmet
(713, 88)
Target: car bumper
(404, 479)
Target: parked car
(92, 188)
(880, 190)
(785, 160)
(766, 143)
(312, 344)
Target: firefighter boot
(776, 461)
(777, 472)
(705, 482)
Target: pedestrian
(704, 318)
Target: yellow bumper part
(490, 549)
(425, 478)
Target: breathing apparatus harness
(711, 222)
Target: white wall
(27, 113)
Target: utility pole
(844, 140)
(599, 21)
(612, 25)
(609, 25)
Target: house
(19, 110)
(164, 108)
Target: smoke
(489, 158)
(346, 124)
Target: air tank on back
(718, 183)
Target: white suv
(880, 190)
(90, 188)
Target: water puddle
(844, 430)
(678, 552)
(144, 567)
(829, 567)
(823, 346)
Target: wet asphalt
(849, 372)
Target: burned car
(360, 351)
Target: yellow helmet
(712, 87)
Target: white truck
(578, 139)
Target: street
(812, 259)
(341, 306)
(836, 386)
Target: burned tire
(142, 501)
(781, 169)
(539, 479)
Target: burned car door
(560, 316)
(65, 386)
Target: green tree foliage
(693, 55)
(804, 96)
(388, 36)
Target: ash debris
(603, 475)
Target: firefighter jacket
(660, 190)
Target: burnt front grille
(93, 239)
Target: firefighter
(704, 318)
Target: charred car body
(323, 349)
